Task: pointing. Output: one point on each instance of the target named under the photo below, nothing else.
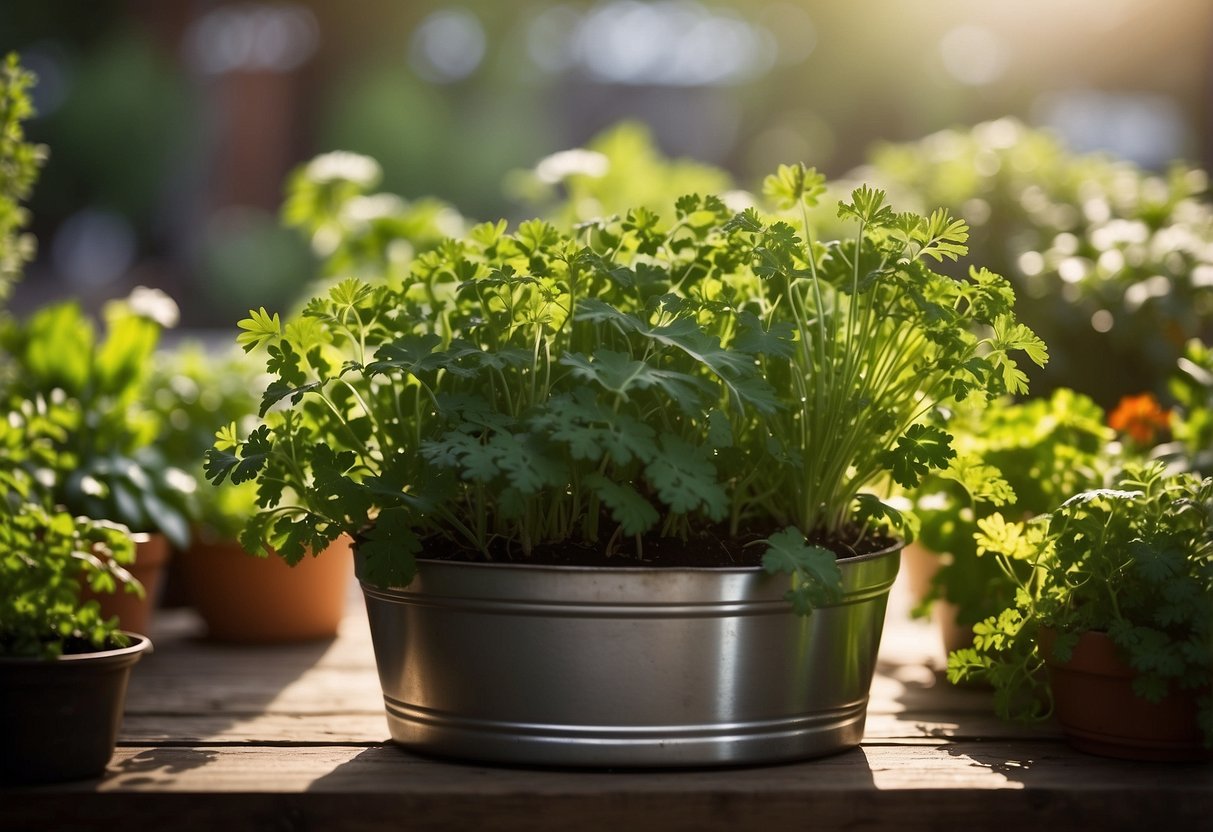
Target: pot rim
(525, 566)
(139, 644)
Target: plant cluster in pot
(1018, 458)
(63, 666)
(1118, 607)
(111, 465)
(240, 598)
(606, 487)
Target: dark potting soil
(710, 548)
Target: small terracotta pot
(1100, 714)
(253, 600)
(135, 613)
(919, 566)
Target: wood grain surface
(294, 738)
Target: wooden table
(294, 738)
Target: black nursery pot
(59, 718)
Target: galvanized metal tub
(569, 666)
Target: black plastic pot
(59, 718)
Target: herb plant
(46, 554)
(107, 464)
(19, 164)
(638, 380)
(1021, 459)
(1112, 263)
(882, 341)
(1191, 421)
(196, 392)
(1134, 561)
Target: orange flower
(1141, 417)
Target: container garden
(1100, 713)
(1113, 630)
(63, 667)
(260, 600)
(610, 489)
(60, 717)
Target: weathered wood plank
(967, 785)
(381, 767)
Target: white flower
(558, 166)
(343, 166)
(154, 305)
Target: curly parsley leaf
(816, 576)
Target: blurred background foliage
(174, 128)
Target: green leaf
(776, 341)
(258, 327)
(619, 374)
(386, 553)
(791, 185)
(685, 480)
(629, 509)
(867, 206)
(747, 221)
(412, 354)
(276, 391)
(945, 237)
(1016, 336)
(921, 448)
(243, 465)
(816, 577)
(872, 508)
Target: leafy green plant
(1021, 459)
(356, 230)
(196, 392)
(1134, 561)
(108, 464)
(1191, 423)
(46, 554)
(638, 381)
(1111, 263)
(881, 342)
(19, 164)
(617, 171)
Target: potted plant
(241, 598)
(1020, 459)
(569, 461)
(1118, 605)
(113, 468)
(63, 665)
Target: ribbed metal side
(625, 667)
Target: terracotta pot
(59, 718)
(920, 565)
(1100, 714)
(248, 599)
(135, 613)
